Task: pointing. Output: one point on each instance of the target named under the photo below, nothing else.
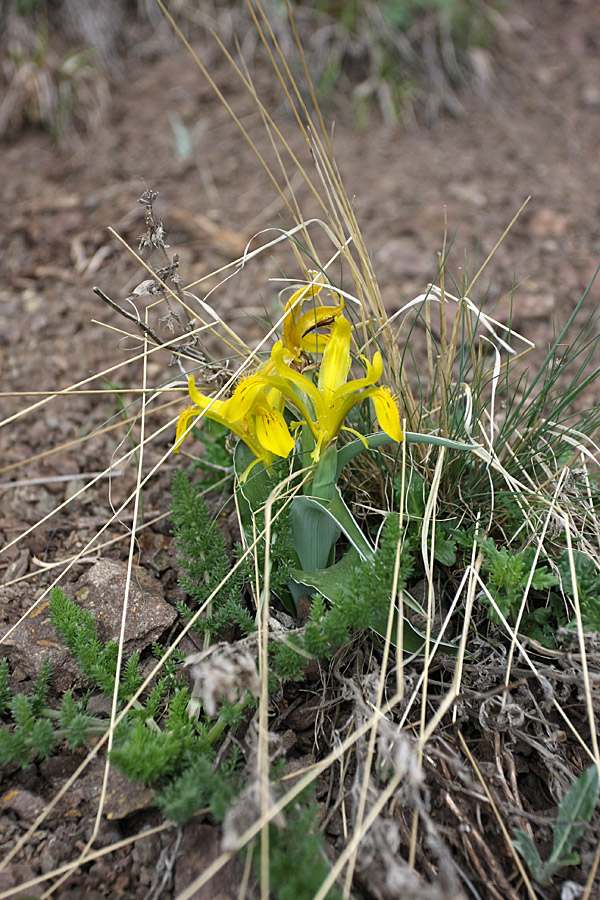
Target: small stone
(102, 589)
(60, 766)
(147, 849)
(470, 193)
(14, 876)
(36, 640)
(18, 566)
(548, 222)
(124, 797)
(24, 803)
(47, 861)
(590, 96)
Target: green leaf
(575, 810)
(316, 527)
(349, 526)
(577, 806)
(317, 521)
(68, 709)
(586, 573)
(444, 550)
(21, 711)
(42, 738)
(415, 496)
(258, 485)
(525, 846)
(380, 439)
(5, 692)
(347, 453)
(41, 687)
(314, 532)
(331, 582)
(335, 582)
(326, 476)
(543, 579)
(13, 748)
(77, 730)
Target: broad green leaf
(325, 477)
(444, 550)
(258, 485)
(334, 581)
(314, 532)
(371, 442)
(415, 496)
(346, 521)
(523, 843)
(543, 579)
(577, 807)
(329, 518)
(380, 438)
(575, 810)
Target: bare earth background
(535, 131)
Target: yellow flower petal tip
(387, 413)
(184, 422)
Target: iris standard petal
(374, 371)
(293, 314)
(319, 317)
(293, 377)
(336, 361)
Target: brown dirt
(535, 131)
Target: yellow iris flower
(334, 396)
(300, 328)
(254, 412)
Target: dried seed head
(226, 674)
(244, 812)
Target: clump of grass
(403, 57)
(47, 81)
(396, 59)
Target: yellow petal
(217, 411)
(247, 470)
(289, 376)
(387, 413)
(319, 317)
(272, 432)
(202, 401)
(336, 361)
(275, 399)
(374, 371)
(184, 422)
(243, 398)
(293, 314)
